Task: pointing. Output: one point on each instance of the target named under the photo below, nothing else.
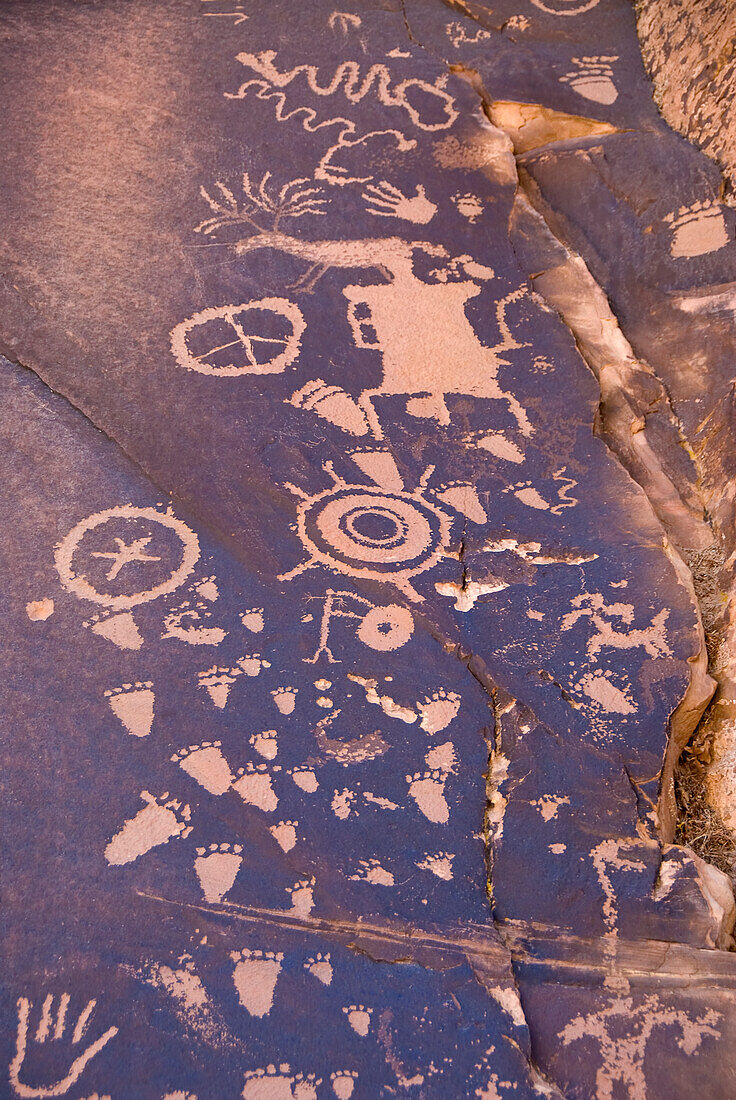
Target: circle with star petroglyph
(258, 337)
(105, 557)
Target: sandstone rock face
(689, 51)
(366, 399)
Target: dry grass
(698, 825)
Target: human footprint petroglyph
(55, 1025)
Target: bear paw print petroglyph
(697, 229)
(206, 764)
(438, 710)
(160, 820)
(133, 705)
(254, 785)
(359, 1018)
(55, 1024)
(120, 629)
(265, 744)
(253, 619)
(217, 682)
(470, 206)
(304, 778)
(302, 896)
(217, 868)
(427, 789)
(440, 864)
(255, 976)
(592, 78)
(284, 833)
(343, 1083)
(371, 871)
(285, 699)
(278, 1083)
(253, 664)
(319, 967)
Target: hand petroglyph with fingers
(54, 1026)
(386, 201)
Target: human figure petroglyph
(383, 628)
(423, 361)
(621, 1031)
(428, 346)
(54, 1024)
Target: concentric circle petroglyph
(372, 527)
(364, 531)
(565, 7)
(258, 337)
(141, 526)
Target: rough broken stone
(360, 424)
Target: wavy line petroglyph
(378, 81)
